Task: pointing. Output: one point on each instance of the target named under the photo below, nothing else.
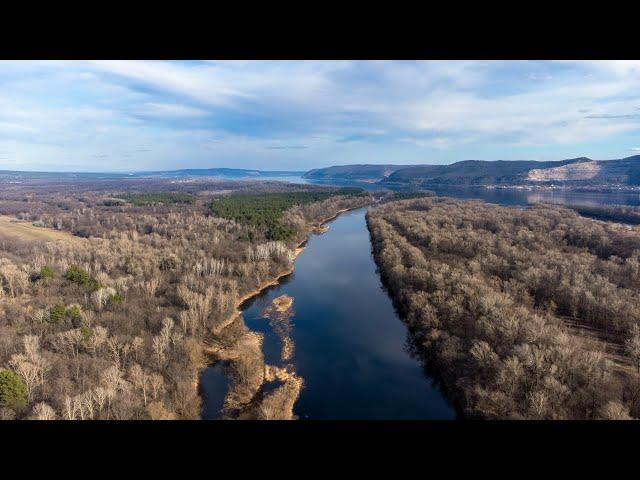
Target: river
(350, 347)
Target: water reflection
(350, 346)
(214, 383)
(526, 197)
(351, 349)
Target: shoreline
(257, 291)
(317, 229)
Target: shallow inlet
(214, 383)
(350, 347)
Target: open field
(27, 231)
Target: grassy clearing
(26, 231)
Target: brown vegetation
(113, 324)
(26, 231)
(488, 293)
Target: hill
(361, 173)
(14, 176)
(580, 171)
(625, 171)
(475, 172)
(221, 172)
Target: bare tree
(100, 396)
(97, 339)
(68, 410)
(137, 344)
(157, 384)
(42, 411)
(70, 343)
(140, 380)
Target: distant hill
(18, 176)
(361, 173)
(625, 171)
(230, 173)
(475, 172)
(571, 172)
(221, 172)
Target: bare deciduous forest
(522, 313)
(116, 294)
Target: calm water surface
(350, 346)
(496, 195)
(524, 197)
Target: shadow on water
(349, 346)
(413, 348)
(357, 358)
(214, 383)
(264, 295)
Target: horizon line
(139, 172)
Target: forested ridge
(573, 173)
(114, 322)
(496, 297)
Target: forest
(111, 309)
(263, 212)
(141, 199)
(521, 313)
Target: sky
(124, 116)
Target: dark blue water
(523, 197)
(350, 346)
(505, 196)
(502, 196)
(214, 383)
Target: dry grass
(11, 227)
(283, 303)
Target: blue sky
(143, 115)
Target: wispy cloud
(287, 147)
(279, 114)
(169, 111)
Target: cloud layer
(137, 115)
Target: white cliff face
(574, 171)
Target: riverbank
(241, 347)
(317, 228)
(479, 321)
(413, 334)
(257, 291)
(349, 344)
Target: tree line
(489, 294)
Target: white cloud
(169, 110)
(236, 108)
(202, 82)
(620, 68)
